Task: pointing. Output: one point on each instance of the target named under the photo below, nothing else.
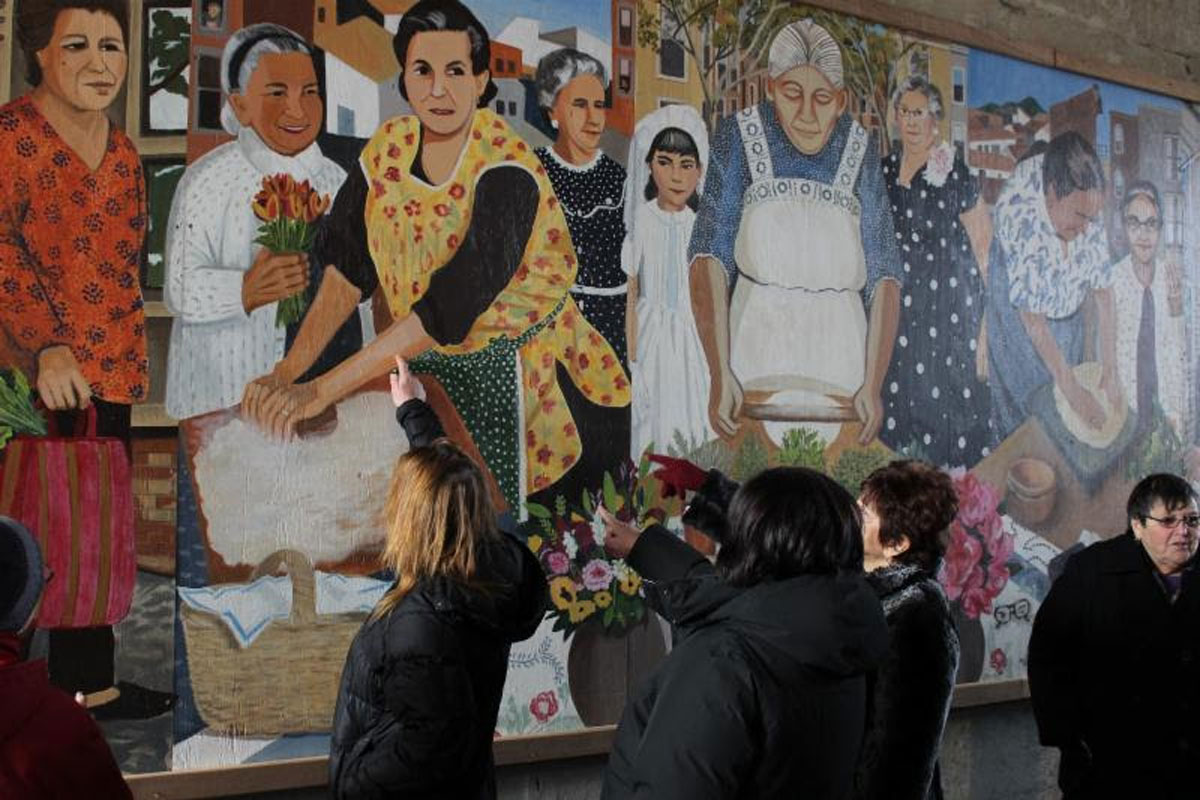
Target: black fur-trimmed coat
(909, 695)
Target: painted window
(960, 85)
(1118, 146)
(624, 76)
(208, 92)
(1171, 153)
(625, 26)
(672, 60)
(345, 121)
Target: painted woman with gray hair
(794, 220)
(590, 185)
(222, 287)
(943, 228)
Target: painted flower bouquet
(585, 583)
(289, 212)
(975, 569)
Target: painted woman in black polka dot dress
(935, 406)
(590, 186)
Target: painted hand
(1110, 384)
(273, 276)
(1083, 404)
(870, 410)
(725, 404)
(60, 384)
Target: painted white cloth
(248, 609)
(322, 495)
(801, 259)
(216, 348)
(1170, 341)
(670, 375)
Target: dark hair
(673, 140)
(35, 26)
(1071, 166)
(1141, 189)
(1172, 490)
(445, 15)
(790, 521)
(913, 500)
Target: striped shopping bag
(74, 494)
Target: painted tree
(167, 51)
(722, 38)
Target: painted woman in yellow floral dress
(479, 301)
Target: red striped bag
(74, 494)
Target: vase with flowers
(596, 600)
(976, 566)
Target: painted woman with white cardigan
(221, 287)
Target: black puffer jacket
(763, 696)
(910, 693)
(421, 687)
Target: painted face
(580, 113)
(282, 102)
(1169, 547)
(808, 106)
(675, 176)
(1070, 215)
(437, 77)
(917, 126)
(85, 62)
(1142, 227)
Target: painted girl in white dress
(670, 377)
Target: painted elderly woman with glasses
(943, 231)
(1151, 335)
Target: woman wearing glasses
(942, 229)
(1148, 296)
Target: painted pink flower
(597, 575)
(962, 557)
(557, 562)
(999, 660)
(543, 706)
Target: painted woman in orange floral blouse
(480, 302)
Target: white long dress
(670, 376)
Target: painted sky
(993, 78)
(593, 16)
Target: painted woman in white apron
(794, 218)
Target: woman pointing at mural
(794, 220)
(479, 300)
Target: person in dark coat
(1114, 659)
(907, 507)
(764, 695)
(421, 687)
(50, 747)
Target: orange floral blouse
(70, 249)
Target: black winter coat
(909, 695)
(420, 691)
(1114, 673)
(763, 696)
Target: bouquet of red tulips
(289, 212)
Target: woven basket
(287, 680)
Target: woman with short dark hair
(765, 693)
(907, 507)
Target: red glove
(677, 475)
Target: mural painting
(772, 235)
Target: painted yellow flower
(563, 592)
(630, 582)
(534, 542)
(581, 610)
(603, 599)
